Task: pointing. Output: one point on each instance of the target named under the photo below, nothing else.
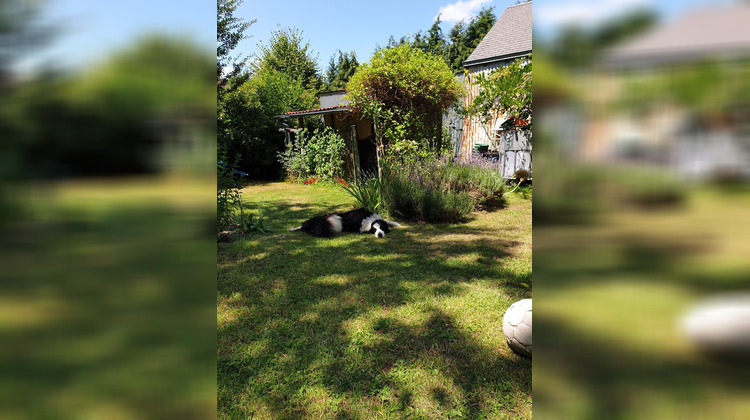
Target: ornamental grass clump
(367, 192)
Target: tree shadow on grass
(610, 374)
(616, 382)
(282, 216)
(438, 347)
(610, 257)
(95, 316)
(290, 302)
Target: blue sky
(91, 30)
(550, 15)
(361, 26)
(358, 26)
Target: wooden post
(378, 146)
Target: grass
(609, 301)
(408, 326)
(107, 301)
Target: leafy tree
(245, 118)
(577, 47)
(230, 30)
(404, 90)
(113, 118)
(287, 53)
(284, 78)
(19, 33)
(455, 49)
(340, 70)
(506, 89)
(464, 38)
(434, 41)
(460, 42)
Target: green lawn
(610, 297)
(408, 326)
(105, 301)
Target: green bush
(259, 225)
(404, 90)
(582, 194)
(478, 177)
(227, 191)
(440, 190)
(318, 154)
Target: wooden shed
(357, 131)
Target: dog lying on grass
(358, 220)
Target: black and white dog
(359, 220)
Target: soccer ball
(720, 325)
(517, 327)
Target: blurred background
(107, 217)
(642, 156)
(107, 182)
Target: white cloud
(461, 10)
(555, 14)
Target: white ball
(720, 324)
(517, 327)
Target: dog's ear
(392, 224)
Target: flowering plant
(341, 181)
(508, 90)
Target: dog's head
(376, 225)
(379, 228)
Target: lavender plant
(441, 189)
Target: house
(508, 40)
(703, 138)
(358, 131)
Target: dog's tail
(335, 223)
(326, 228)
(294, 229)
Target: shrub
(318, 154)
(257, 225)
(404, 90)
(367, 192)
(581, 194)
(441, 190)
(227, 191)
(479, 177)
